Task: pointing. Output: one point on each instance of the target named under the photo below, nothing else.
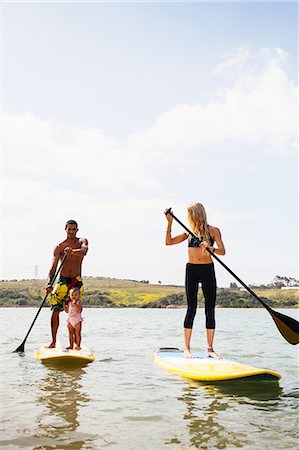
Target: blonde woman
(199, 269)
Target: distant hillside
(116, 293)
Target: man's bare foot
(212, 354)
(69, 348)
(52, 345)
(187, 354)
(78, 348)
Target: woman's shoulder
(213, 230)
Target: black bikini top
(194, 241)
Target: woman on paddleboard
(199, 269)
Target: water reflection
(212, 409)
(245, 390)
(62, 393)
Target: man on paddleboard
(70, 276)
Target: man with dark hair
(71, 222)
(70, 276)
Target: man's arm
(83, 249)
(84, 246)
(55, 261)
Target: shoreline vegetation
(100, 292)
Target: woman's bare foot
(212, 354)
(187, 354)
(52, 345)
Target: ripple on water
(124, 401)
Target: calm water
(124, 401)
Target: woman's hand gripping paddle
(287, 326)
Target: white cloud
(245, 61)
(118, 189)
(35, 149)
(258, 107)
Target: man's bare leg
(187, 338)
(54, 327)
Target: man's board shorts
(61, 289)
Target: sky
(114, 111)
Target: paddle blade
(288, 327)
(20, 349)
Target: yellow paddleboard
(63, 356)
(208, 369)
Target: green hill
(116, 293)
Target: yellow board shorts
(61, 289)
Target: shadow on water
(244, 390)
(212, 410)
(61, 392)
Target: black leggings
(204, 274)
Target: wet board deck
(204, 368)
(63, 356)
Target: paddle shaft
(21, 347)
(220, 262)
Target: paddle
(287, 326)
(21, 347)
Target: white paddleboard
(204, 368)
(62, 355)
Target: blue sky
(115, 111)
(167, 48)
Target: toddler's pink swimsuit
(74, 315)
